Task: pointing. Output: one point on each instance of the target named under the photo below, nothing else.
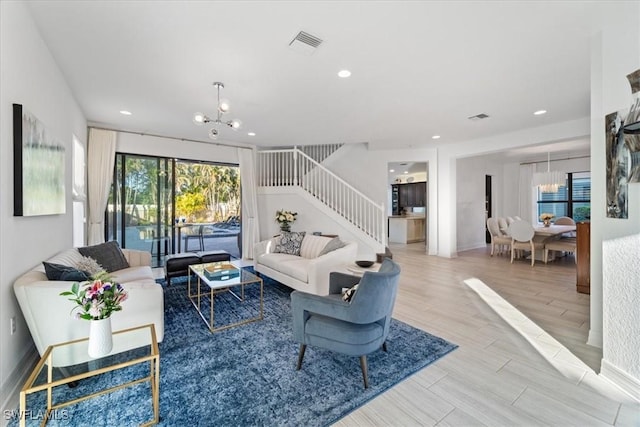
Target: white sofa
(49, 318)
(307, 272)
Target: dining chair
(193, 232)
(565, 220)
(503, 225)
(562, 245)
(522, 233)
(499, 240)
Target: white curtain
(250, 229)
(526, 192)
(100, 160)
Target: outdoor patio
(219, 236)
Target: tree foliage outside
(207, 193)
(203, 192)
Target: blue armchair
(354, 328)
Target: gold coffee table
(220, 277)
(127, 356)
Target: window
(572, 199)
(79, 193)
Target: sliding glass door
(167, 206)
(140, 209)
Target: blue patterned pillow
(290, 242)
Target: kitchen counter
(406, 228)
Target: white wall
(509, 197)
(309, 218)
(470, 199)
(133, 143)
(615, 53)
(29, 76)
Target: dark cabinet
(412, 194)
(420, 190)
(403, 195)
(583, 257)
(395, 200)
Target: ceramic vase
(285, 226)
(100, 339)
(547, 222)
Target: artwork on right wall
(623, 151)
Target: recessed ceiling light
(251, 134)
(406, 171)
(392, 170)
(125, 112)
(540, 112)
(435, 137)
(344, 73)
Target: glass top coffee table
(123, 356)
(224, 279)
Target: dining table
(552, 230)
(545, 233)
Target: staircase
(343, 202)
(320, 152)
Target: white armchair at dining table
(565, 220)
(499, 241)
(522, 233)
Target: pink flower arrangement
(97, 299)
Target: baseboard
(595, 338)
(471, 247)
(11, 388)
(622, 379)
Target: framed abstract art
(38, 167)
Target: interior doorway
(487, 206)
(407, 197)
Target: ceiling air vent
(305, 43)
(477, 117)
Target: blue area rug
(246, 375)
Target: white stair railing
(319, 152)
(292, 167)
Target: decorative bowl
(364, 264)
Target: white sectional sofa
(308, 271)
(48, 315)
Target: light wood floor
(495, 377)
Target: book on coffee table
(221, 271)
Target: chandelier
(223, 108)
(549, 181)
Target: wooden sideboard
(583, 257)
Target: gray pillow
(290, 242)
(108, 255)
(332, 245)
(64, 272)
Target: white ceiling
(419, 68)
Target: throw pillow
(333, 244)
(108, 255)
(290, 242)
(64, 272)
(349, 293)
(89, 265)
